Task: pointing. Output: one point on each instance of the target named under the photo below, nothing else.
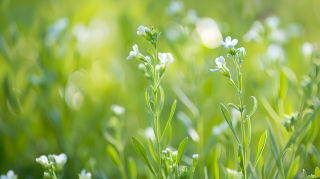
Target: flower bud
(168, 153)
(225, 71)
(195, 160)
(162, 69)
(183, 172)
(241, 54)
(174, 156)
(232, 51)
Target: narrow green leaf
(261, 145)
(255, 106)
(153, 154)
(181, 149)
(113, 155)
(173, 108)
(275, 150)
(317, 172)
(147, 101)
(141, 151)
(240, 160)
(283, 85)
(293, 168)
(132, 168)
(263, 175)
(215, 163)
(233, 106)
(249, 134)
(169, 135)
(305, 173)
(226, 116)
(162, 99)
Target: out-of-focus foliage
(63, 67)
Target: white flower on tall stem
(221, 63)
(133, 53)
(60, 159)
(84, 175)
(144, 32)
(43, 160)
(165, 58)
(229, 43)
(10, 175)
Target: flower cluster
(229, 45)
(151, 35)
(53, 165)
(171, 160)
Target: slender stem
(239, 89)
(155, 87)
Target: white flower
(142, 31)
(232, 174)
(118, 110)
(60, 159)
(84, 175)
(165, 58)
(307, 49)
(229, 43)
(275, 52)
(10, 175)
(273, 22)
(133, 53)
(43, 160)
(221, 62)
(174, 7)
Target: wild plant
(114, 133)
(154, 68)
(52, 165)
(237, 56)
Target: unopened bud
(195, 160)
(241, 54)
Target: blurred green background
(63, 64)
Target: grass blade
(255, 106)
(113, 155)
(132, 168)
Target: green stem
(155, 87)
(239, 89)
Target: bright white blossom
(10, 175)
(220, 61)
(232, 174)
(84, 175)
(118, 110)
(60, 159)
(133, 53)
(43, 160)
(229, 43)
(307, 49)
(275, 52)
(142, 31)
(165, 58)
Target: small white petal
(220, 61)
(10, 174)
(234, 42)
(214, 70)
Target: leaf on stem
(233, 106)
(153, 154)
(162, 99)
(173, 108)
(284, 152)
(181, 149)
(226, 116)
(261, 145)
(147, 102)
(113, 155)
(255, 106)
(141, 151)
(215, 163)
